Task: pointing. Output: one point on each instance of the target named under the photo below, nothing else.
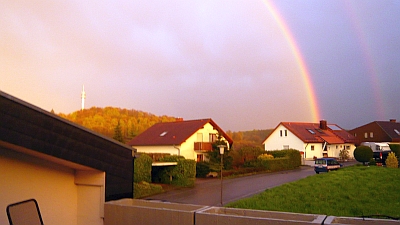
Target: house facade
(191, 139)
(311, 139)
(70, 170)
(377, 131)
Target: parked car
(326, 164)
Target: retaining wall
(143, 212)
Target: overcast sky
(232, 61)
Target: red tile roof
(313, 133)
(173, 133)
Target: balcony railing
(202, 146)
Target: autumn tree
(215, 156)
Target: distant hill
(105, 120)
(252, 138)
(133, 122)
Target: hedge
(283, 160)
(202, 169)
(142, 169)
(144, 189)
(183, 174)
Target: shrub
(293, 155)
(183, 174)
(144, 189)
(142, 169)
(392, 161)
(265, 156)
(363, 154)
(344, 154)
(202, 169)
(372, 162)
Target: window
(365, 135)
(371, 134)
(312, 147)
(285, 133)
(200, 158)
(311, 131)
(397, 131)
(280, 132)
(286, 147)
(163, 133)
(347, 147)
(212, 137)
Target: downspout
(179, 150)
(323, 146)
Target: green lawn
(350, 191)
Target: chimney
(179, 119)
(323, 124)
(392, 120)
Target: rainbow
(315, 112)
(372, 72)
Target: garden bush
(183, 174)
(363, 154)
(372, 162)
(202, 169)
(142, 169)
(144, 189)
(391, 161)
(283, 160)
(265, 156)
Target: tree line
(109, 120)
(125, 124)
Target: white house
(69, 170)
(191, 139)
(311, 139)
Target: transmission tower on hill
(83, 96)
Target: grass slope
(351, 191)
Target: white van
(377, 146)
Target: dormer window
(311, 131)
(163, 133)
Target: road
(208, 191)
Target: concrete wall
(61, 200)
(134, 211)
(140, 212)
(220, 216)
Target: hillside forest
(125, 124)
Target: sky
(247, 64)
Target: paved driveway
(208, 191)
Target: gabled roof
(391, 128)
(173, 133)
(313, 133)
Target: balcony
(203, 146)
